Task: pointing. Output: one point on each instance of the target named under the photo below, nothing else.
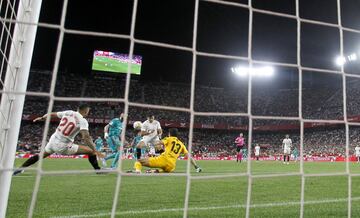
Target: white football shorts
(287, 151)
(57, 146)
(150, 139)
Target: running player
(286, 144)
(112, 135)
(257, 152)
(62, 140)
(167, 160)
(151, 132)
(239, 141)
(99, 143)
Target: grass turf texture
(114, 66)
(153, 196)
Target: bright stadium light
(340, 60)
(259, 72)
(352, 57)
(240, 71)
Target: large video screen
(116, 62)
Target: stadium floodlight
(340, 60)
(352, 57)
(260, 72)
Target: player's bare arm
(132, 143)
(106, 131)
(160, 132)
(42, 118)
(144, 133)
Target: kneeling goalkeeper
(167, 160)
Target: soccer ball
(137, 125)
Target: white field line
(279, 204)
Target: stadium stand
(214, 137)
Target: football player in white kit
(357, 153)
(287, 143)
(257, 152)
(62, 140)
(151, 132)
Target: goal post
(13, 93)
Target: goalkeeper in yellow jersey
(167, 160)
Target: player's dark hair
(83, 106)
(174, 132)
(150, 115)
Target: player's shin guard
(137, 166)
(116, 159)
(288, 158)
(30, 161)
(93, 161)
(138, 153)
(284, 158)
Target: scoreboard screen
(116, 62)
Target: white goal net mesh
(9, 20)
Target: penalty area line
(279, 204)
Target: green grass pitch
(91, 195)
(111, 65)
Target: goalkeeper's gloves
(106, 136)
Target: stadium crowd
(318, 103)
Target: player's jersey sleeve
(158, 125)
(184, 150)
(144, 126)
(84, 125)
(63, 113)
(165, 141)
(284, 140)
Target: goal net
(210, 68)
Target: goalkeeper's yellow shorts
(162, 162)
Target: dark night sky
(221, 29)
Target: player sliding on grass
(62, 140)
(167, 160)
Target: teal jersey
(99, 143)
(244, 152)
(295, 152)
(137, 139)
(115, 127)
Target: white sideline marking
(279, 204)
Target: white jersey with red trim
(70, 125)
